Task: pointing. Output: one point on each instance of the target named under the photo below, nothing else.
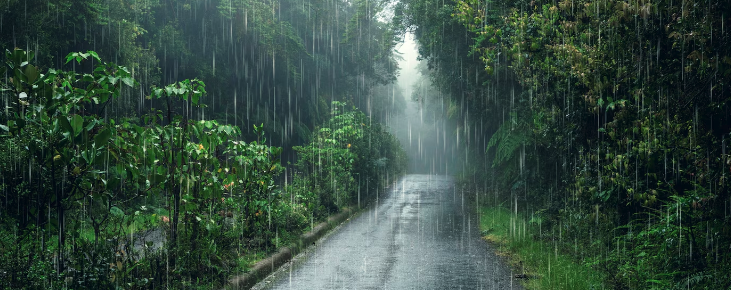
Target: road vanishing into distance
(420, 234)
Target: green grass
(542, 262)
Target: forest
(601, 124)
(150, 144)
(172, 144)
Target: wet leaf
(117, 212)
(102, 137)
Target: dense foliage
(91, 180)
(606, 120)
(277, 62)
(95, 186)
(155, 171)
(347, 156)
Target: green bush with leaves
(86, 182)
(328, 160)
(81, 190)
(608, 119)
(347, 157)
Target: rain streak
(379, 144)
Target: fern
(506, 140)
(509, 144)
(695, 279)
(497, 136)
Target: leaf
(77, 123)
(605, 195)
(69, 57)
(506, 141)
(94, 55)
(158, 178)
(5, 128)
(157, 93)
(32, 73)
(91, 125)
(65, 126)
(115, 211)
(128, 81)
(102, 137)
(88, 155)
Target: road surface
(419, 235)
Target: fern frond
(694, 279)
(497, 136)
(509, 145)
(507, 139)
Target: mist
(178, 144)
(424, 128)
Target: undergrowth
(540, 264)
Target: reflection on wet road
(421, 235)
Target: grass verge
(540, 263)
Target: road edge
(263, 268)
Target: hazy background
(424, 129)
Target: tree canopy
(608, 119)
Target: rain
(380, 144)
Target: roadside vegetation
(173, 154)
(535, 261)
(606, 120)
(95, 186)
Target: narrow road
(420, 235)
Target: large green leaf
(65, 126)
(195, 98)
(94, 55)
(31, 73)
(102, 137)
(128, 81)
(115, 211)
(88, 155)
(77, 123)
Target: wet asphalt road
(420, 235)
